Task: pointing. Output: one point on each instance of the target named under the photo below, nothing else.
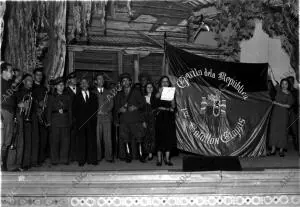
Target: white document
(167, 94)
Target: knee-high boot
(141, 155)
(128, 157)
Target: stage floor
(263, 181)
(290, 161)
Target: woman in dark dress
(279, 119)
(164, 124)
(149, 142)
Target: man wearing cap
(128, 104)
(59, 115)
(104, 120)
(39, 130)
(71, 90)
(24, 138)
(85, 110)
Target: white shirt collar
(73, 88)
(100, 89)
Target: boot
(128, 157)
(142, 157)
(4, 160)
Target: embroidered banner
(223, 108)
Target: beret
(58, 80)
(125, 75)
(71, 75)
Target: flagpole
(165, 68)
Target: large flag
(223, 108)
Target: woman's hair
(152, 84)
(289, 84)
(160, 80)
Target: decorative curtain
(83, 12)
(21, 35)
(35, 36)
(57, 39)
(2, 11)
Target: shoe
(158, 163)
(281, 154)
(3, 168)
(80, 164)
(111, 161)
(271, 153)
(15, 170)
(169, 163)
(25, 168)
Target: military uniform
(59, 115)
(39, 132)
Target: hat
(26, 75)
(144, 75)
(71, 75)
(58, 80)
(125, 75)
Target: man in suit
(129, 104)
(39, 130)
(104, 120)
(71, 90)
(85, 109)
(59, 115)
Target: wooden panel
(152, 65)
(96, 60)
(128, 64)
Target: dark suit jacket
(85, 112)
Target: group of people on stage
(68, 122)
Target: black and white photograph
(149, 103)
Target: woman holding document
(165, 120)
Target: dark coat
(69, 91)
(55, 103)
(135, 99)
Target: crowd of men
(68, 122)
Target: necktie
(87, 95)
